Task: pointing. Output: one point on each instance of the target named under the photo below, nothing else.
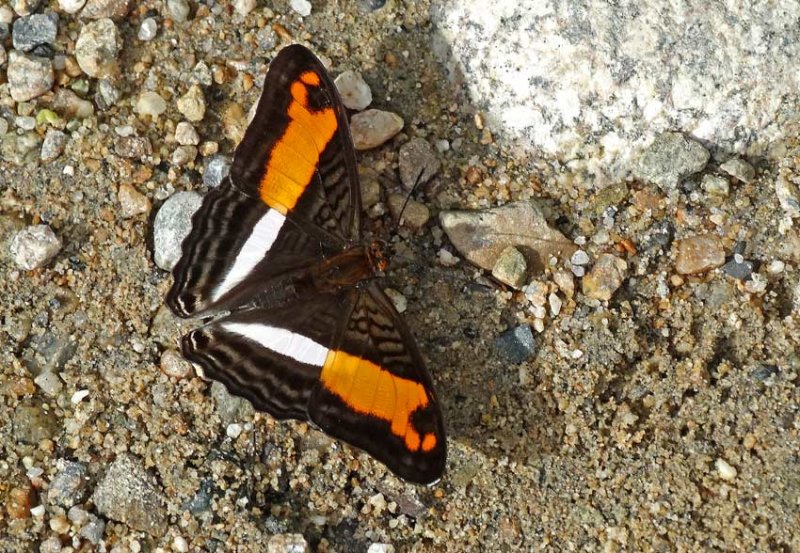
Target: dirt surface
(663, 419)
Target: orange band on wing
(294, 158)
(370, 390)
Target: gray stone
(129, 494)
(738, 268)
(100, 9)
(97, 48)
(33, 423)
(415, 215)
(417, 162)
(20, 148)
(373, 127)
(787, 184)
(69, 486)
(716, 186)
(33, 30)
(53, 145)
(148, 29)
(482, 236)
(229, 407)
(178, 10)
(34, 246)
(94, 529)
(511, 268)
(107, 93)
(516, 345)
(217, 169)
(670, 159)
(172, 224)
(575, 80)
(28, 76)
(739, 169)
(354, 90)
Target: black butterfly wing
(376, 394)
(292, 196)
(345, 361)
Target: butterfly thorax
(349, 268)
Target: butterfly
(275, 259)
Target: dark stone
(516, 344)
(33, 30)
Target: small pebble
(148, 29)
(698, 254)
(28, 76)
(516, 345)
(287, 543)
(244, 7)
(726, 471)
(178, 10)
(172, 223)
(174, 365)
(133, 147)
(53, 145)
(98, 47)
(234, 430)
(446, 259)
(34, 246)
(71, 6)
(150, 103)
(355, 92)
(33, 30)
(217, 169)
(301, 7)
(739, 169)
(716, 186)
(417, 162)
(555, 304)
(414, 216)
(112, 9)
(25, 7)
(193, 104)
(671, 158)
(93, 530)
(399, 300)
(180, 544)
(59, 524)
(132, 202)
(373, 127)
(108, 93)
(738, 268)
(776, 266)
(511, 268)
(757, 284)
(183, 155)
(565, 283)
(380, 548)
(186, 135)
(49, 383)
(50, 545)
(605, 278)
(580, 258)
(18, 502)
(77, 515)
(79, 396)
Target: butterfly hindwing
(375, 392)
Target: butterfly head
(377, 251)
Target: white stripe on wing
(253, 251)
(282, 341)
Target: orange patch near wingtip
(295, 156)
(368, 389)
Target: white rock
(373, 127)
(725, 470)
(354, 90)
(301, 7)
(34, 246)
(186, 135)
(148, 29)
(576, 80)
(243, 7)
(150, 103)
(171, 225)
(71, 6)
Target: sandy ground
(674, 428)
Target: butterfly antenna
(408, 199)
